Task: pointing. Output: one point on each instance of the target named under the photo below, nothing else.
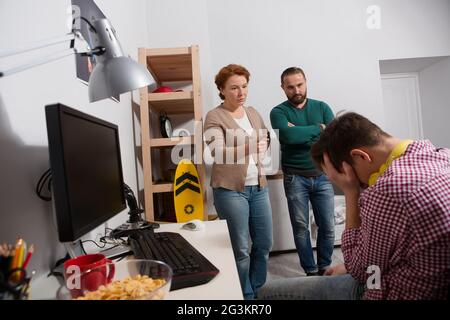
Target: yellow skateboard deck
(187, 192)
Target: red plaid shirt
(405, 228)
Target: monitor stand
(116, 252)
(73, 249)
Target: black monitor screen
(86, 170)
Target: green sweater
(296, 141)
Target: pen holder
(14, 285)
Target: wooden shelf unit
(162, 187)
(172, 102)
(169, 65)
(170, 142)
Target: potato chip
(136, 288)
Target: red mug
(87, 273)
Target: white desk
(213, 242)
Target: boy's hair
(346, 132)
(291, 71)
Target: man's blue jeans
(341, 287)
(249, 217)
(319, 191)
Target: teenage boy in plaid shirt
(397, 216)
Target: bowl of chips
(135, 279)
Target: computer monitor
(87, 179)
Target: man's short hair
(347, 131)
(290, 71)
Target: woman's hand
(262, 148)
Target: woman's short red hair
(226, 72)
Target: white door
(401, 104)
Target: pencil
(29, 254)
(23, 249)
(16, 253)
(18, 259)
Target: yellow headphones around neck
(397, 152)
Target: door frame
(415, 77)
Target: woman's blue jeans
(319, 191)
(249, 218)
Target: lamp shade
(116, 76)
(113, 72)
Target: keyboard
(190, 267)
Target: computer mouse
(194, 225)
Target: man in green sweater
(299, 121)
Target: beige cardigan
(231, 176)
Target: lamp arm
(73, 37)
(38, 45)
(37, 62)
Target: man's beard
(298, 99)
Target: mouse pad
(187, 191)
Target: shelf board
(170, 142)
(170, 64)
(172, 102)
(162, 187)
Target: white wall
(329, 39)
(183, 23)
(23, 137)
(435, 97)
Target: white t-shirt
(252, 171)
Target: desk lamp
(113, 74)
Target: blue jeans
(249, 217)
(341, 287)
(319, 191)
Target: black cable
(49, 185)
(135, 211)
(114, 246)
(82, 248)
(87, 21)
(46, 178)
(115, 241)
(53, 271)
(101, 247)
(121, 258)
(43, 180)
(132, 202)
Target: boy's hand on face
(347, 181)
